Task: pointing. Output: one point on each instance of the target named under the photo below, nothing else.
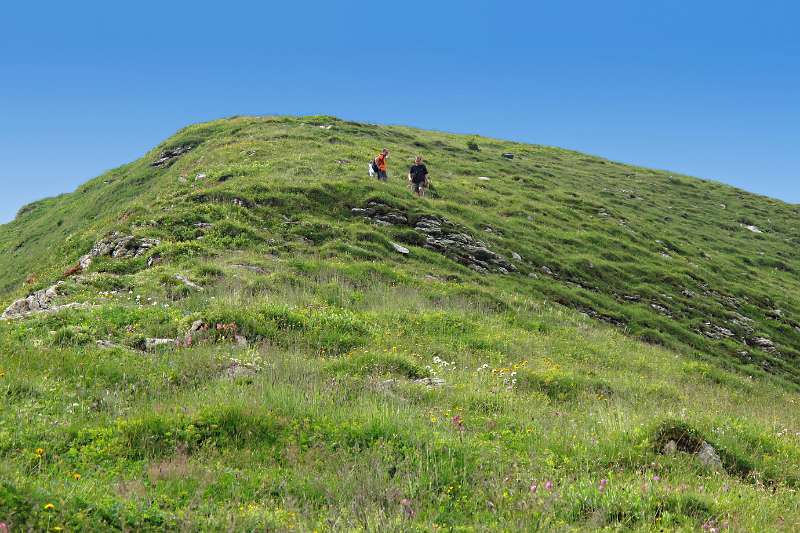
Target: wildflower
(49, 507)
(458, 422)
(548, 485)
(76, 476)
(3, 527)
(603, 483)
(534, 487)
(40, 452)
(656, 478)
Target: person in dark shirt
(418, 176)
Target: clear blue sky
(709, 88)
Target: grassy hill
(553, 352)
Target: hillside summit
(243, 331)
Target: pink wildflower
(603, 483)
(534, 487)
(548, 485)
(656, 478)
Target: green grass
(326, 429)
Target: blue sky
(710, 88)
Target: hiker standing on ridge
(418, 176)
(380, 164)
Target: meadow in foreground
(545, 420)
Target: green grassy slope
(667, 257)
(317, 423)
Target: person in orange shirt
(380, 164)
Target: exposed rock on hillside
(398, 248)
(167, 157)
(38, 302)
(763, 343)
(119, 246)
(713, 331)
(445, 237)
(442, 236)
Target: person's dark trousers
(382, 175)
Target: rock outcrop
(447, 239)
(763, 343)
(441, 235)
(118, 245)
(115, 245)
(37, 303)
(167, 157)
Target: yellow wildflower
(49, 507)
(40, 451)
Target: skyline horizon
(10, 215)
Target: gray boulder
(37, 302)
(763, 343)
(708, 456)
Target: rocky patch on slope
(115, 245)
(441, 235)
(38, 302)
(167, 157)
